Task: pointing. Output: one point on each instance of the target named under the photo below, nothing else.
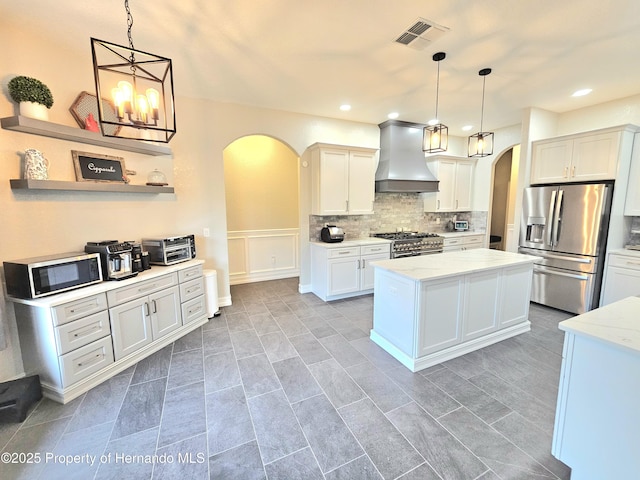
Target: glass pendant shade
(435, 138)
(138, 88)
(481, 144)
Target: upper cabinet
(342, 179)
(455, 175)
(585, 157)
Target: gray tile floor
(285, 386)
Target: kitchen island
(433, 308)
(597, 427)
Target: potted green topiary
(33, 96)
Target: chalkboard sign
(93, 167)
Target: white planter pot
(34, 110)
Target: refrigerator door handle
(549, 223)
(556, 217)
(562, 257)
(561, 274)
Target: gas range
(409, 244)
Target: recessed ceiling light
(582, 93)
(393, 115)
(466, 128)
(345, 107)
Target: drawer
(139, 289)
(624, 261)
(473, 240)
(190, 273)
(193, 310)
(86, 360)
(68, 312)
(452, 241)
(366, 249)
(82, 332)
(343, 252)
(191, 289)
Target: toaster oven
(170, 250)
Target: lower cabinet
(77, 343)
(341, 272)
(622, 278)
(463, 242)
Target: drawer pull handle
(376, 249)
(82, 308)
(633, 263)
(155, 307)
(91, 360)
(146, 309)
(343, 253)
(87, 331)
(195, 289)
(190, 274)
(197, 309)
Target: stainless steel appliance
(410, 244)
(566, 227)
(170, 250)
(331, 234)
(116, 258)
(40, 276)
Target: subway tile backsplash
(395, 211)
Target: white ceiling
(311, 56)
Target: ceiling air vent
(420, 34)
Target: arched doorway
(504, 183)
(262, 196)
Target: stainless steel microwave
(40, 276)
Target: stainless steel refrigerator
(566, 226)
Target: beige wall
(261, 184)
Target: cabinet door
(362, 172)
(514, 295)
(332, 182)
(473, 241)
(595, 157)
(439, 301)
(130, 327)
(551, 161)
(343, 275)
(446, 197)
(366, 270)
(165, 312)
(464, 182)
(480, 311)
(620, 283)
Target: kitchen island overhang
(433, 308)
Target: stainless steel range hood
(402, 166)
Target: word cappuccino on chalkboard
(93, 167)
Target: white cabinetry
(342, 179)
(456, 180)
(576, 158)
(340, 272)
(463, 242)
(76, 340)
(632, 200)
(622, 278)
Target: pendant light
(435, 136)
(481, 143)
(136, 90)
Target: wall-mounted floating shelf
(50, 185)
(63, 132)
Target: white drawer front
(344, 252)
(367, 249)
(125, 294)
(477, 240)
(191, 289)
(193, 309)
(452, 241)
(86, 360)
(624, 261)
(80, 308)
(190, 273)
(82, 332)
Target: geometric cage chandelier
(435, 136)
(481, 143)
(136, 90)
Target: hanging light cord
(132, 58)
(484, 80)
(437, 91)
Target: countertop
(616, 324)
(358, 242)
(449, 264)
(466, 233)
(83, 292)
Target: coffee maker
(115, 257)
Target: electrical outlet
(437, 220)
(206, 232)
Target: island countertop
(448, 264)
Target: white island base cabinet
(77, 340)
(426, 322)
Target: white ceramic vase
(34, 110)
(36, 167)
